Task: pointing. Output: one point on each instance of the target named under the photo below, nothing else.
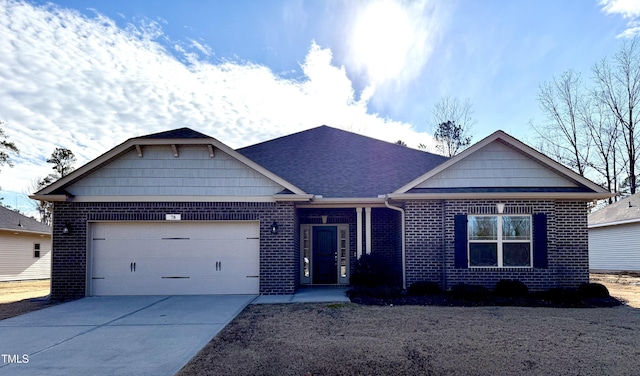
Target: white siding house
(614, 237)
(25, 247)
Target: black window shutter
(460, 241)
(540, 240)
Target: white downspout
(367, 224)
(404, 273)
(358, 233)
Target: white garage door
(174, 258)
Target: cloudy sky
(88, 74)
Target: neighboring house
(614, 236)
(25, 247)
(180, 212)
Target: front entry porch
(333, 239)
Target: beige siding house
(614, 237)
(25, 247)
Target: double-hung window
(499, 241)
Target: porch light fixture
(66, 229)
(274, 228)
(500, 208)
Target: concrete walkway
(307, 295)
(141, 335)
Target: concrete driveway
(141, 335)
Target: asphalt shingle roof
(11, 220)
(626, 209)
(335, 163)
(176, 133)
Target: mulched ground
(531, 300)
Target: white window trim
(500, 241)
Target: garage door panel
(175, 258)
(112, 268)
(228, 267)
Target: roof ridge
(183, 132)
(330, 128)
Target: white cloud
(67, 80)
(629, 9)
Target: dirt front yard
(349, 339)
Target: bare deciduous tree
(604, 133)
(618, 87)
(561, 100)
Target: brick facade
(430, 255)
(279, 253)
(429, 239)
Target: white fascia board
(160, 198)
(132, 143)
(517, 144)
(500, 195)
(626, 221)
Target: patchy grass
(15, 291)
(624, 286)
(17, 298)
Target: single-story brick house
(614, 236)
(180, 212)
(25, 247)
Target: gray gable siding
(158, 172)
(497, 165)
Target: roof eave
(27, 232)
(588, 196)
(49, 198)
(615, 223)
(343, 202)
(292, 197)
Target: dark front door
(325, 252)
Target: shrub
(593, 290)
(511, 288)
(373, 270)
(469, 292)
(422, 288)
